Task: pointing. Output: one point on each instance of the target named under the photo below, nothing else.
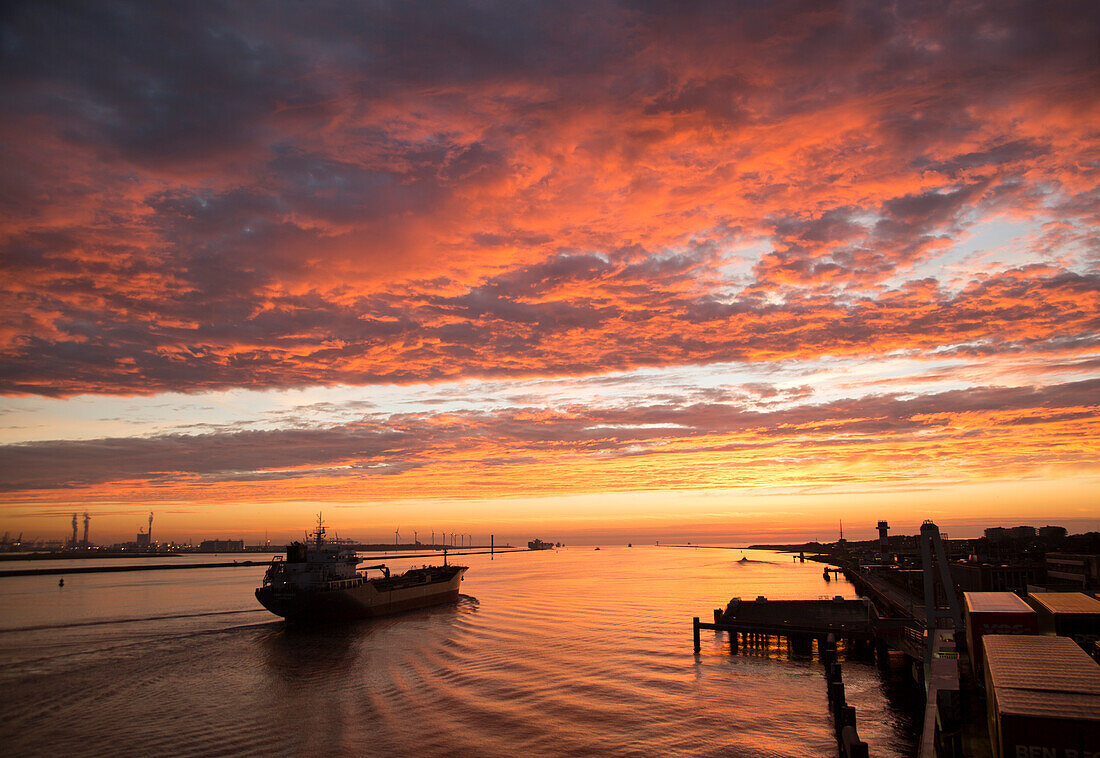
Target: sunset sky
(571, 270)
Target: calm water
(558, 653)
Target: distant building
(1079, 569)
(1052, 532)
(142, 540)
(221, 546)
(1000, 534)
(971, 576)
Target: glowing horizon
(741, 269)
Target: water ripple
(563, 654)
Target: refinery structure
(79, 542)
(75, 543)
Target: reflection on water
(561, 653)
(314, 651)
(295, 653)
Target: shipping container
(994, 613)
(1042, 696)
(1068, 614)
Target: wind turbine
(396, 536)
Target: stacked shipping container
(1068, 614)
(1043, 697)
(995, 613)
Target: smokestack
(150, 528)
(87, 518)
(73, 543)
(883, 540)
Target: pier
(116, 569)
(799, 623)
(60, 570)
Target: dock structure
(801, 623)
(893, 600)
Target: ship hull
(372, 598)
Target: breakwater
(55, 571)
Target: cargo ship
(320, 580)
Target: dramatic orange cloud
(217, 199)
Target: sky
(576, 270)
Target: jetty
(801, 624)
(97, 569)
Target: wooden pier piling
(851, 746)
(844, 715)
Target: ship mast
(319, 533)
